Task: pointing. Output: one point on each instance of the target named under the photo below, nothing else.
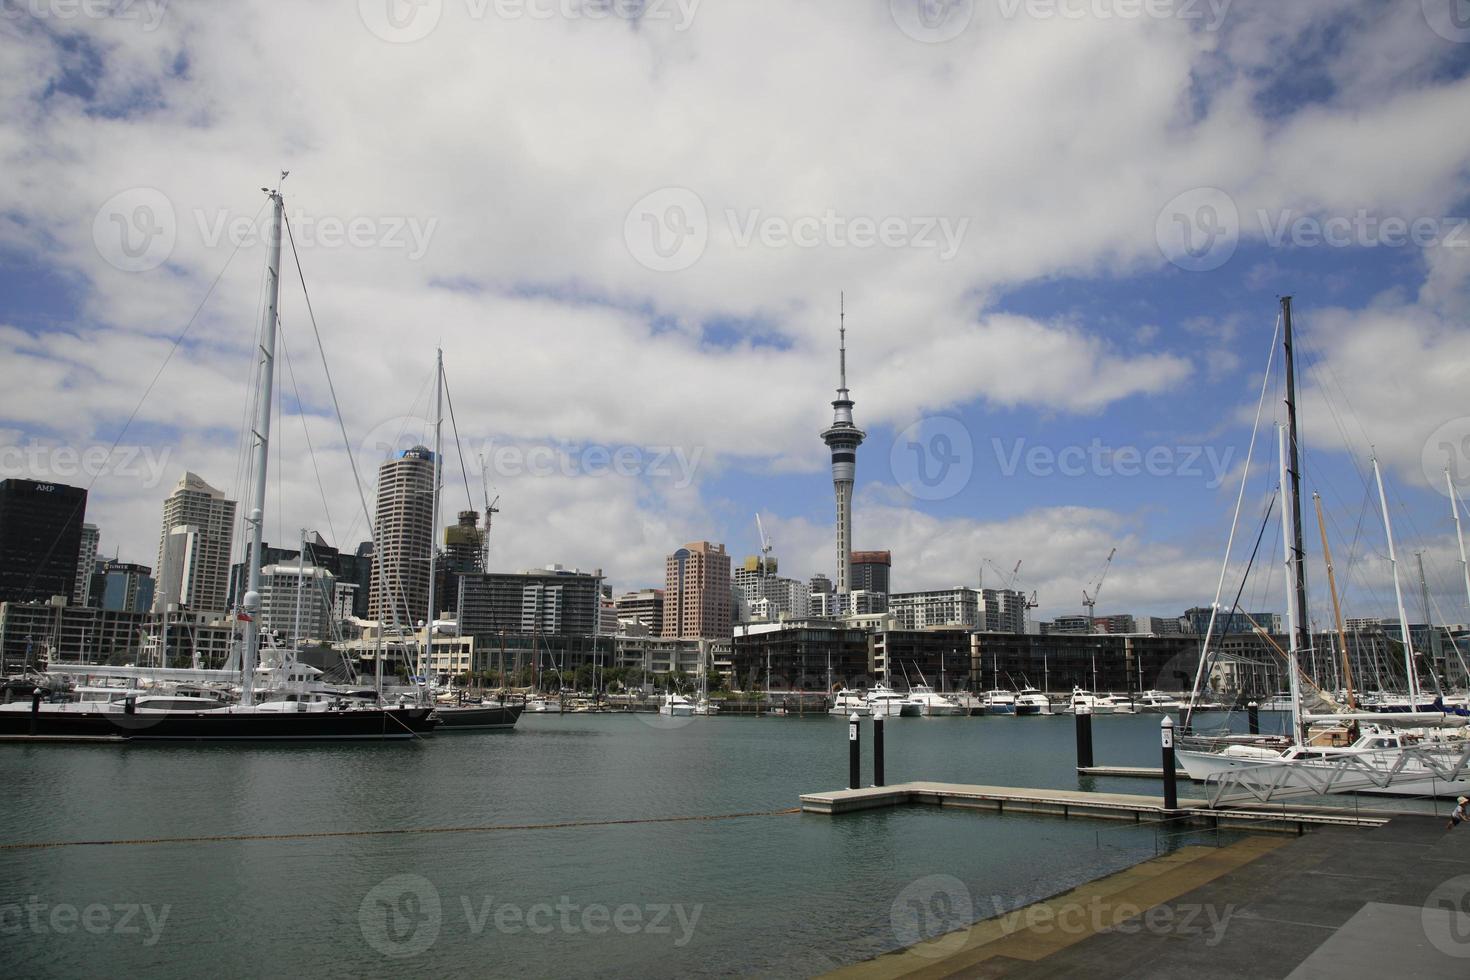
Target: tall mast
(1428, 623)
(1347, 671)
(300, 587)
(1460, 537)
(1294, 471)
(1398, 593)
(1289, 534)
(434, 512)
(261, 436)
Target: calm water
(789, 895)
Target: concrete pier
(1079, 803)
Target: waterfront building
(1198, 620)
(86, 565)
(59, 633)
(1068, 626)
(800, 656)
(697, 592)
(194, 549)
(959, 606)
(399, 590)
(40, 539)
(843, 438)
(554, 601)
(1117, 623)
(1160, 625)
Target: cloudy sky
(1061, 229)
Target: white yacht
(888, 703)
(932, 704)
(544, 705)
(1086, 699)
(847, 702)
(998, 702)
(1118, 704)
(1030, 701)
(676, 706)
(704, 707)
(1158, 701)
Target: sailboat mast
(1293, 612)
(1294, 471)
(255, 519)
(1347, 671)
(1460, 537)
(1398, 594)
(434, 514)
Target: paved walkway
(1387, 903)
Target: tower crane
(1090, 601)
(765, 563)
(490, 511)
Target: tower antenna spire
(842, 345)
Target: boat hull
(478, 717)
(1204, 765)
(222, 725)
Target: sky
(1059, 229)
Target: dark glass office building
(40, 536)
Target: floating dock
(1080, 803)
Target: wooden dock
(1079, 803)
(1140, 772)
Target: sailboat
(286, 719)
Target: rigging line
(332, 389)
(173, 348)
(311, 451)
(458, 449)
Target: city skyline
(1057, 377)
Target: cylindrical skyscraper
(843, 438)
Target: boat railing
(1332, 774)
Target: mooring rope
(230, 838)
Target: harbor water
(780, 893)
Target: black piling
(35, 708)
(878, 750)
(1171, 788)
(1084, 737)
(1253, 712)
(854, 754)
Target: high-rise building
(843, 438)
(194, 549)
(86, 565)
(122, 587)
(697, 592)
(405, 525)
(553, 601)
(644, 607)
(40, 539)
(352, 573)
(819, 584)
(960, 607)
(870, 570)
(292, 594)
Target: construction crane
(765, 562)
(490, 511)
(1090, 601)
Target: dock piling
(1084, 736)
(35, 708)
(854, 753)
(877, 750)
(1171, 789)
(1253, 712)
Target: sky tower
(843, 438)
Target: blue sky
(563, 204)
